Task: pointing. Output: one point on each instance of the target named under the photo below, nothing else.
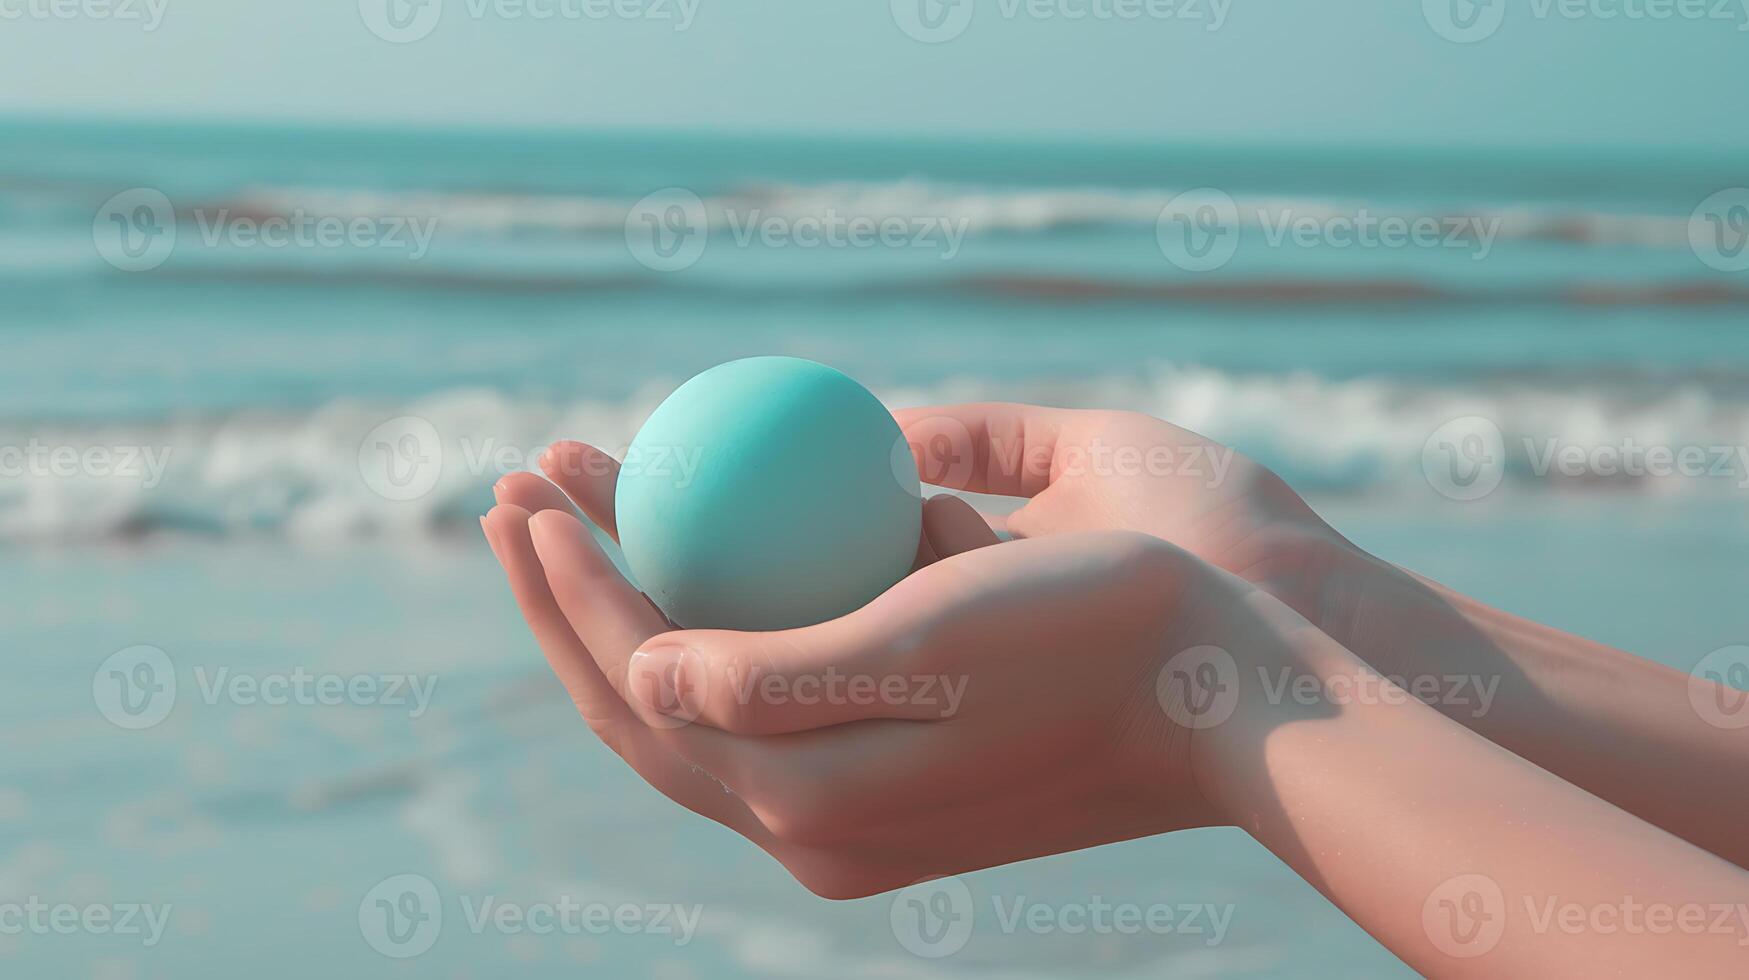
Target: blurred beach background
(267, 460)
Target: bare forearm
(1465, 860)
(1616, 725)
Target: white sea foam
(304, 476)
(983, 209)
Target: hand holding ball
(768, 493)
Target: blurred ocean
(252, 535)
(1029, 272)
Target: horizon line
(405, 127)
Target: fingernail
(659, 679)
(498, 490)
(491, 540)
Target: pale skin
(1078, 724)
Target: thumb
(773, 683)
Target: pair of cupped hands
(1017, 695)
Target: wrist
(1243, 665)
(1401, 625)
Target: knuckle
(805, 815)
(827, 879)
(1145, 555)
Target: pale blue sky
(1371, 71)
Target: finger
(952, 526)
(607, 713)
(757, 685)
(610, 615)
(986, 447)
(588, 476)
(613, 620)
(531, 492)
(507, 530)
(856, 668)
(776, 683)
(931, 626)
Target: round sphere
(767, 493)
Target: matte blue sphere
(768, 493)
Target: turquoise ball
(767, 493)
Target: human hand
(999, 704)
(1619, 726)
(1061, 641)
(1083, 470)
